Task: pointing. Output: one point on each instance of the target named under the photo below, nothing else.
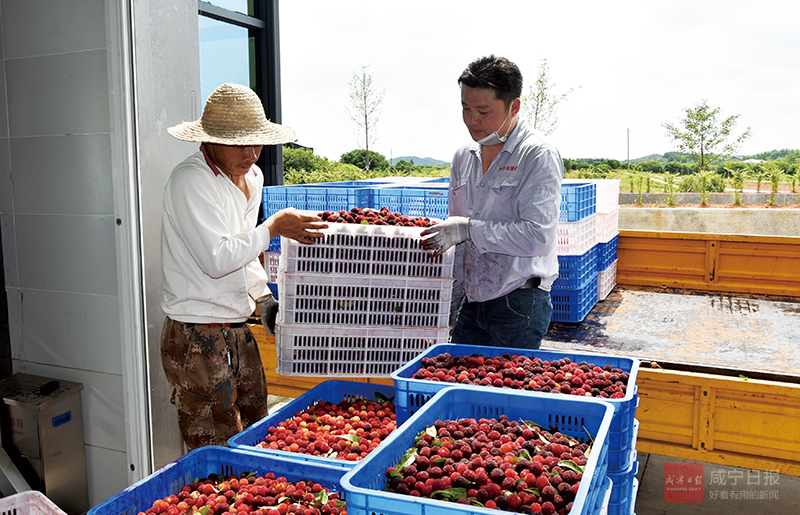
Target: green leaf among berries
(452, 494)
(382, 398)
(407, 459)
(571, 465)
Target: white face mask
(494, 138)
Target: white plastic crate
(607, 225)
(348, 351)
(271, 263)
(365, 301)
(607, 193)
(30, 502)
(575, 238)
(606, 280)
(366, 250)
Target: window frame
(263, 28)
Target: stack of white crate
(360, 302)
(607, 235)
(607, 232)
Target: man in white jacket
(505, 196)
(213, 280)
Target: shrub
(651, 166)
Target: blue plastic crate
(201, 463)
(572, 305)
(575, 272)
(622, 497)
(578, 201)
(316, 197)
(431, 201)
(333, 391)
(411, 394)
(573, 416)
(607, 253)
(274, 289)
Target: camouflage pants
(217, 380)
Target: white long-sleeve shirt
(210, 244)
(514, 210)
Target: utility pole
(629, 148)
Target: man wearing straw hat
(213, 280)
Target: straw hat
(233, 115)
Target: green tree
(738, 176)
(651, 166)
(540, 105)
(703, 136)
(364, 109)
(776, 175)
(669, 187)
(365, 160)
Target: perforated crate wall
(607, 253)
(607, 225)
(573, 305)
(212, 459)
(577, 201)
(431, 201)
(271, 263)
(606, 280)
(607, 193)
(365, 301)
(366, 250)
(348, 351)
(576, 271)
(29, 502)
(575, 238)
(317, 197)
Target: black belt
(533, 282)
(234, 325)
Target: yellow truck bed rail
(713, 262)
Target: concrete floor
(750, 334)
(726, 490)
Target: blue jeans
(519, 319)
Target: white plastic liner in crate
(364, 301)
(606, 280)
(30, 502)
(356, 249)
(576, 238)
(607, 225)
(347, 351)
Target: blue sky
(632, 65)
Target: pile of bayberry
(495, 463)
(368, 216)
(348, 430)
(260, 495)
(524, 373)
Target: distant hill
(419, 161)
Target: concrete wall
(58, 216)
(759, 221)
(87, 90)
(760, 198)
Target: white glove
(451, 232)
(268, 308)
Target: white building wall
(64, 67)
